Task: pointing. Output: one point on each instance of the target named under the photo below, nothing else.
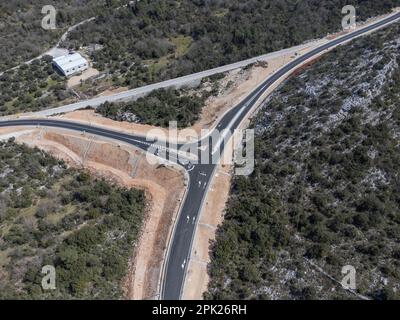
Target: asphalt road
(184, 233)
(200, 174)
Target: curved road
(200, 174)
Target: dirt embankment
(164, 188)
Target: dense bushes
(85, 228)
(325, 186)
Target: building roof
(70, 61)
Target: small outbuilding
(70, 64)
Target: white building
(70, 64)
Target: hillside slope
(325, 190)
(21, 36)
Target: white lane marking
(227, 130)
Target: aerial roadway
(200, 175)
